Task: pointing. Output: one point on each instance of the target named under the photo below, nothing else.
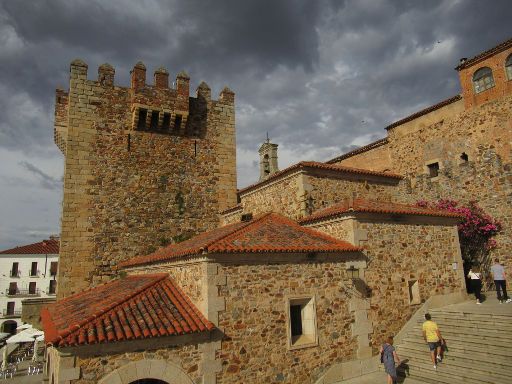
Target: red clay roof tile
(50, 246)
(361, 205)
(268, 233)
(314, 165)
(139, 306)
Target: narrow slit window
(433, 169)
(143, 114)
(154, 121)
(166, 123)
(177, 123)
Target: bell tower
(268, 159)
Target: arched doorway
(149, 371)
(9, 326)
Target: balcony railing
(23, 292)
(35, 273)
(9, 313)
(51, 292)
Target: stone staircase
(479, 341)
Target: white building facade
(26, 272)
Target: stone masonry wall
(485, 135)
(377, 159)
(282, 197)
(399, 252)
(298, 195)
(327, 191)
(254, 348)
(128, 191)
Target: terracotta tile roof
(268, 233)
(136, 307)
(359, 150)
(314, 165)
(43, 247)
(425, 111)
(484, 55)
(361, 205)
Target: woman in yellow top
(432, 336)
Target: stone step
(452, 375)
(502, 360)
(479, 324)
(499, 339)
(501, 356)
(462, 362)
(499, 318)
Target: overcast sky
(321, 77)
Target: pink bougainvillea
(476, 229)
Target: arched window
(482, 79)
(508, 67)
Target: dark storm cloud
(322, 77)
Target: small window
(15, 272)
(13, 288)
(52, 287)
(33, 269)
(464, 158)
(302, 323)
(166, 124)
(53, 268)
(414, 292)
(32, 288)
(508, 67)
(154, 120)
(10, 308)
(177, 123)
(143, 114)
(433, 169)
(482, 79)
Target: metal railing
(51, 292)
(13, 313)
(36, 274)
(23, 292)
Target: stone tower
(143, 164)
(268, 159)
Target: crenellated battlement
(144, 163)
(158, 107)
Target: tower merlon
(204, 91)
(106, 74)
(227, 96)
(138, 76)
(78, 69)
(161, 78)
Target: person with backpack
(389, 358)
